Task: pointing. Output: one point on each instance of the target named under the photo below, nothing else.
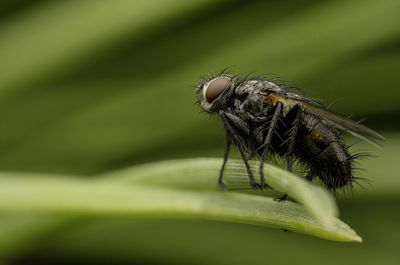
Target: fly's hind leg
(291, 140)
(267, 141)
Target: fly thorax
(245, 88)
(254, 103)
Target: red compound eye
(215, 87)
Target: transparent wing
(355, 128)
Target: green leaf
(177, 189)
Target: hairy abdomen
(322, 149)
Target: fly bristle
(360, 181)
(334, 103)
(227, 70)
(358, 169)
(352, 144)
(360, 155)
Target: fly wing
(345, 123)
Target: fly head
(216, 92)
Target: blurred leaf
(131, 101)
(55, 35)
(150, 241)
(18, 233)
(380, 170)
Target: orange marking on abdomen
(317, 135)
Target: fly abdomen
(325, 153)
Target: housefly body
(263, 117)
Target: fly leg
(232, 133)
(221, 184)
(291, 142)
(267, 141)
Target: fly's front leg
(267, 141)
(229, 119)
(221, 184)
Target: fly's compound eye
(215, 87)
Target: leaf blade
(113, 196)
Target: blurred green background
(91, 86)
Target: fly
(262, 117)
